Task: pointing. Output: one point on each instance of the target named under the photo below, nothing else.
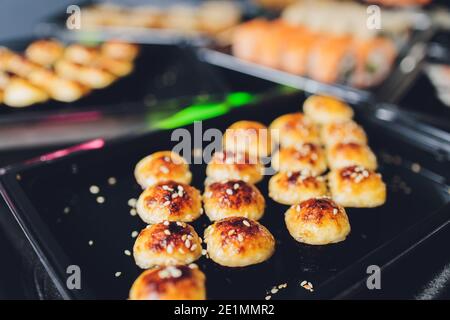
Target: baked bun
(233, 198)
(323, 109)
(119, 50)
(238, 242)
(234, 166)
(317, 221)
(44, 52)
(21, 93)
(308, 157)
(343, 132)
(344, 155)
(293, 187)
(81, 54)
(294, 129)
(162, 166)
(169, 283)
(119, 68)
(248, 136)
(167, 243)
(357, 187)
(169, 200)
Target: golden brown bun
(343, 132)
(293, 187)
(169, 200)
(357, 187)
(162, 166)
(44, 52)
(80, 54)
(308, 157)
(248, 136)
(120, 50)
(317, 221)
(343, 155)
(21, 93)
(233, 198)
(230, 166)
(91, 77)
(167, 243)
(119, 68)
(169, 283)
(294, 129)
(238, 242)
(323, 109)
(20, 65)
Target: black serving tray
(39, 191)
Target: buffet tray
(50, 198)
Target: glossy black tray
(39, 192)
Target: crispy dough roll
(342, 132)
(293, 187)
(234, 166)
(233, 198)
(293, 129)
(162, 166)
(317, 221)
(324, 109)
(248, 136)
(169, 283)
(238, 242)
(348, 154)
(308, 156)
(45, 52)
(357, 187)
(169, 200)
(167, 243)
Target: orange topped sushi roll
(247, 37)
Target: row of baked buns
(50, 70)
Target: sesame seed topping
(118, 274)
(167, 203)
(94, 189)
(246, 223)
(335, 211)
(187, 243)
(112, 181)
(169, 249)
(231, 232)
(229, 192)
(164, 169)
(166, 223)
(183, 237)
(193, 266)
(127, 252)
(236, 186)
(193, 247)
(167, 232)
(101, 199)
(274, 290)
(134, 234)
(240, 237)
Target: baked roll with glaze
(342, 132)
(233, 198)
(344, 155)
(21, 93)
(170, 283)
(324, 109)
(357, 187)
(238, 242)
(317, 221)
(169, 200)
(45, 52)
(308, 157)
(293, 187)
(248, 136)
(293, 129)
(119, 50)
(162, 166)
(167, 243)
(227, 165)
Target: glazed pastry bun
(293, 129)
(357, 187)
(162, 166)
(169, 200)
(323, 109)
(119, 50)
(21, 93)
(342, 132)
(167, 243)
(170, 283)
(293, 187)
(233, 198)
(308, 157)
(227, 165)
(248, 136)
(348, 154)
(238, 242)
(317, 221)
(44, 52)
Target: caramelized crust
(44, 52)
(248, 136)
(348, 154)
(323, 110)
(309, 157)
(293, 129)
(169, 283)
(343, 132)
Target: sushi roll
(294, 58)
(247, 38)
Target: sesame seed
(335, 211)
(112, 181)
(268, 297)
(91, 242)
(204, 252)
(183, 237)
(134, 234)
(229, 192)
(174, 195)
(193, 266)
(169, 249)
(166, 223)
(193, 247)
(246, 223)
(298, 208)
(231, 232)
(167, 203)
(166, 159)
(236, 186)
(127, 252)
(167, 232)
(94, 189)
(180, 188)
(118, 274)
(240, 237)
(201, 210)
(164, 169)
(187, 243)
(274, 290)
(101, 199)
(133, 212)
(132, 202)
